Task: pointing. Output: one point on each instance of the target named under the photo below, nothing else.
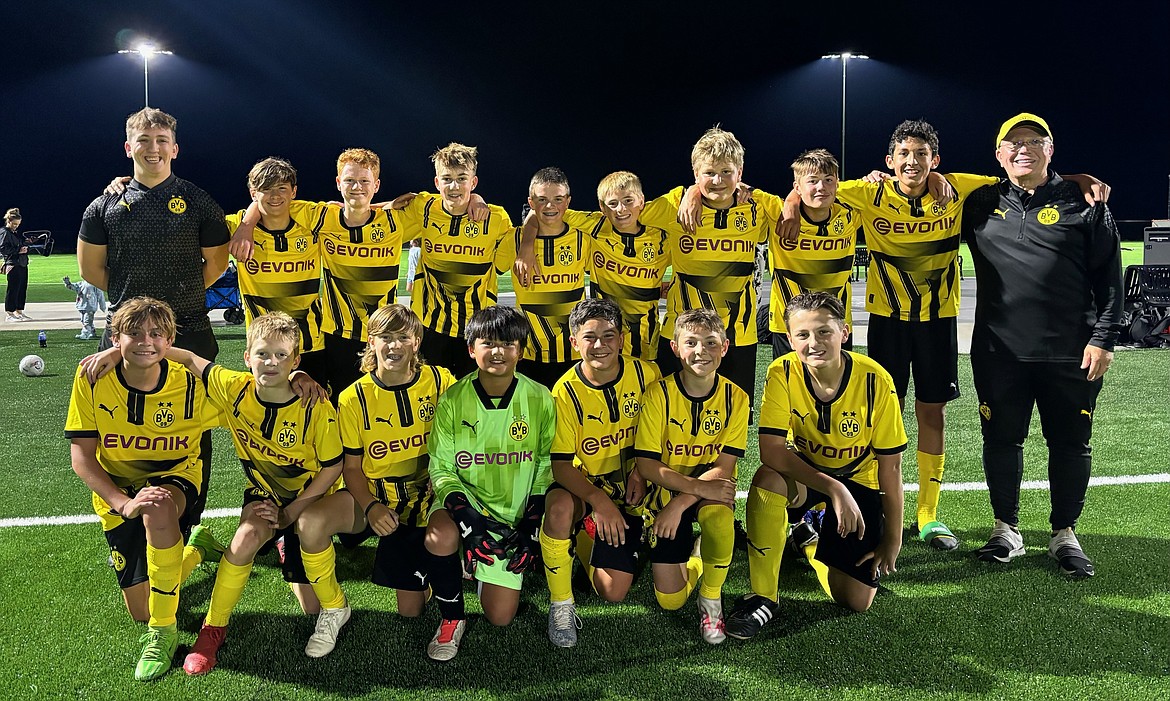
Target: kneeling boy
(489, 449)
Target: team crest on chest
(471, 229)
(631, 407)
(938, 209)
(426, 408)
(649, 254)
(287, 436)
(1048, 216)
(741, 222)
(565, 255)
(849, 425)
(301, 244)
(712, 422)
(518, 430)
(837, 226)
(377, 233)
(163, 416)
(177, 205)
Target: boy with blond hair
(692, 429)
(135, 439)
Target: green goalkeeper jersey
(493, 449)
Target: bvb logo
(302, 244)
(850, 427)
(519, 429)
(631, 406)
(985, 411)
(118, 559)
(648, 254)
(177, 205)
(1048, 216)
(565, 256)
(164, 417)
(711, 422)
(838, 226)
(938, 208)
(426, 411)
(741, 222)
(287, 437)
(471, 230)
(377, 233)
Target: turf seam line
(1161, 478)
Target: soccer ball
(32, 365)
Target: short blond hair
(391, 318)
(455, 155)
(620, 180)
(269, 173)
(362, 158)
(275, 325)
(134, 313)
(699, 320)
(814, 162)
(716, 145)
(12, 214)
(150, 118)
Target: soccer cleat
(324, 637)
(205, 651)
(1005, 544)
(563, 623)
(807, 532)
(158, 650)
(1066, 550)
(749, 616)
(937, 535)
(204, 541)
(445, 645)
(711, 625)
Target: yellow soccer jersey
(843, 437)
(361, 269)
(388, 427)
(281, 446)
(457, 269)
(687, 433)
(552, 294)
(141, 434)
(820, 260)
(596, 424)
(284, 273)
(714, 267)
(913, 247)
(628, 269)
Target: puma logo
(107, 409)
(448, 601)
(125, 204)
(553, 570)
(800, 416)
(1087, 413)
(440, 229)
(595, 418)
(936, 481)
(472, 426)
(172, 592)
(896, 207)
(422, 578)
(1002, 213)
(752, 545)
(679, 424)
(380, 420)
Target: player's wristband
(369, 506)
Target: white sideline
(1162, 478)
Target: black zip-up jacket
(1048, 270)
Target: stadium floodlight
(146, 49)
(844, 57)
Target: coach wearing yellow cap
(1048, 310)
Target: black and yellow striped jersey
(460, 259)
(841, 438)
(687, 433)
(628, 269)
(284, 272)
(596, 424)
(820, 260)
(552, 294)
(713, 268)
(388, 427)
(139, 434)
(282, 446)
(913, 247)
(361, 269)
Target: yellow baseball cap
(1023, 119)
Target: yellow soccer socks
(767, 532)
(230, 580)
(164, 568)
(321, 571)
(717, 525)
(558, 567)
(930, 473)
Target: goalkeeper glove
(526, 537)
(478, 544)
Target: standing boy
(489, 450)
(692, 429)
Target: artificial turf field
(945, 626)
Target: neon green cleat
(158, 650)
(204, 540)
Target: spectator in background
(15, 251)
(90, 300)
(412, 263)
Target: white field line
(1163, 478)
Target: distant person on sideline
(15, 251)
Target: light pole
(844, 56)
(146, 50)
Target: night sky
(628, 86)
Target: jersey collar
(844, 380)
(486, 400)
(163, 366)
(394, 388)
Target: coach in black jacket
(1048, 309)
